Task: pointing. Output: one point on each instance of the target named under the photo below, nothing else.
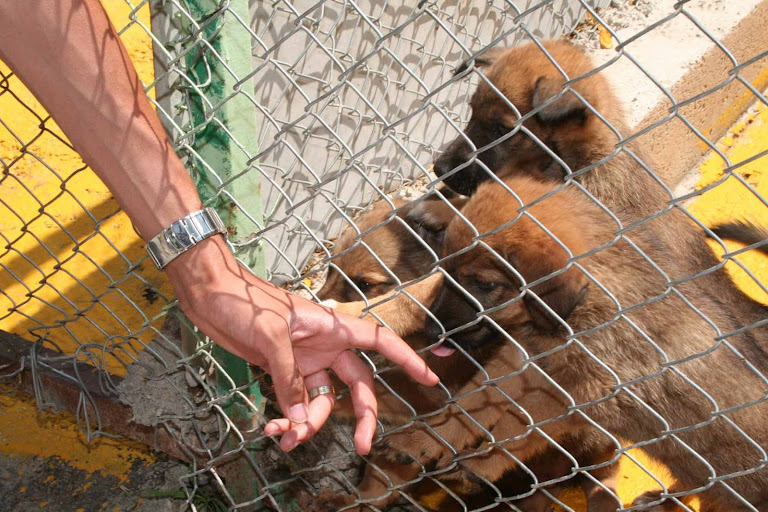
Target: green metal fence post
(225, 138)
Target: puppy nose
(432, 330)
(443, 165)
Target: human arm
(71, 58)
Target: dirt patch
(161, 394)
(158, 389)
(619, 14)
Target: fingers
(277, 427)
(358, 378)
(319, 410)
(368, 335)
(288, 381)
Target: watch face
(180, 238)
(183, 234)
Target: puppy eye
(363, 285)
(485, 286)
(501, 130)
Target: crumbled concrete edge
(158, 391)
(689, 181)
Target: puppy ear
(430, 218)
(483, 60)
(561, 293)
(566, 108)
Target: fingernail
(270, 429)
(298, 413)
(289, 442)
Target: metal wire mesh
(352, 105)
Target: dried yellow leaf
(606, 40)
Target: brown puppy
(396, 247)
(641, 362)
(563, 124)
(392, 248)
(400, 256)
(569, 130)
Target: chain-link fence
(569, 301)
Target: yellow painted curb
(26, 432)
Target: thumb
(289, 384)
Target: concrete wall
(351, 100)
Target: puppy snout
(432, 329)
(453, 155)
(456, 160)
(444, 309)
(446, 163)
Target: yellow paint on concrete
(83, 488)
(77, 302)
(44, 171)
(25, 431)
(735, 110)
(732, 200)
(632, 482)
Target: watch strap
(184, 234)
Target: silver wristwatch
(184, 234)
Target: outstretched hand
(293, 339)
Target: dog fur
(570, 130)
(395, 248)
(394, 244)
(744, 232)
(635, 295)
(643, 364)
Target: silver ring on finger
(321, 390)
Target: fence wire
(584, 320)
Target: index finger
(370, 336)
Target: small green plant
(201, 501)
